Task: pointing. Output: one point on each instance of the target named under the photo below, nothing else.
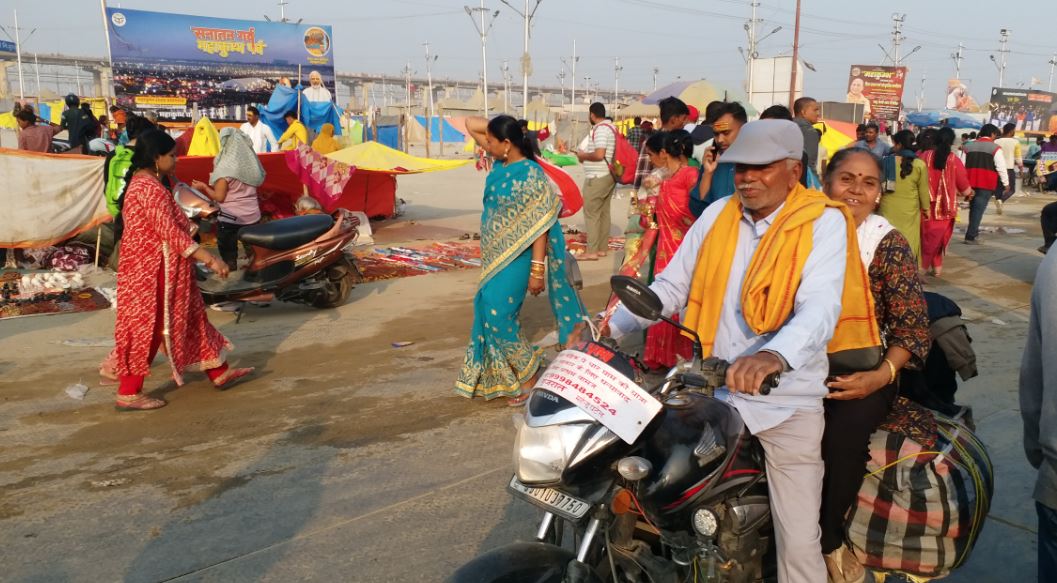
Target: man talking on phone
(717, 178)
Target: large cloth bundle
(921, 507)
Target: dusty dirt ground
(347, 459)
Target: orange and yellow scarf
(769, 290)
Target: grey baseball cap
(766, 141)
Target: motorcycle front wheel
(524, 562)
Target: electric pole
(921, 93)
(429, 83)
(655, 71)
(506, 86)
(897, 35)
(750, 61)
(407, 88)
(958, 58)
(483, 29)
(1053, 62)
(587, 82)
(616, 80)
(572, 99)
(796, 58)
(526, 59)
(561, 78)
(17, 39)
(1004, 50)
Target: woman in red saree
(671, 150)
(158, 302)
(947, 179)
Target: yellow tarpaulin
(206, 141)
(378, 158)
(7, 120)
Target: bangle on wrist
(892, 370)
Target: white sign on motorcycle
(602, 392)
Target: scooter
(297, 259)
(662, 486)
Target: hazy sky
(687, 38)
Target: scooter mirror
(636, 297)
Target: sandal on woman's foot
(231, 377)
(518, 401)
(587, 257)
(138, 402)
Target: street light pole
(655, 71)
(18, 55)
(483, 29)
(616, 81)
(1053, 62)
(796, 57)
(526, 59)
(958, 61)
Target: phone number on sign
(562, 383)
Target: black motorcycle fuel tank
(699, 447)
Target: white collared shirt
(262, 137)
(801, 341)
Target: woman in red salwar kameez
(947, 181)
(664, 342)
(158, 302)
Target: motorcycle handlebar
(717, 370)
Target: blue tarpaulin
(955, 119)
(389, 136)
(451, 135)
(313, 114)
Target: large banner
(1031, 110)
(172, 62)
(878, 89)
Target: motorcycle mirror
(644, 303)
(636, 297)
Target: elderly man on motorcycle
(763, 276)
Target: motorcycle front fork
(551, 530)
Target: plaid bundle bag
(921, 508)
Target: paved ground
(349, 460)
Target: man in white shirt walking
(260, 134)
(1014, 161)
(598, 181)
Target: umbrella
(378, 158)
(696, 93)
(836, 134)
(955, 119)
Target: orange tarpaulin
(373, 193)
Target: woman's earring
(506, 154)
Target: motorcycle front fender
(524, 562)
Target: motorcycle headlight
(542, 453)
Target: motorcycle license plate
(551, 500)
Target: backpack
(625, 158)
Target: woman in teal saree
(522, 250)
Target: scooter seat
(286, 233)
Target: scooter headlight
(542, 453)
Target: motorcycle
(297, 259)
(663, 485)
(688, 497)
